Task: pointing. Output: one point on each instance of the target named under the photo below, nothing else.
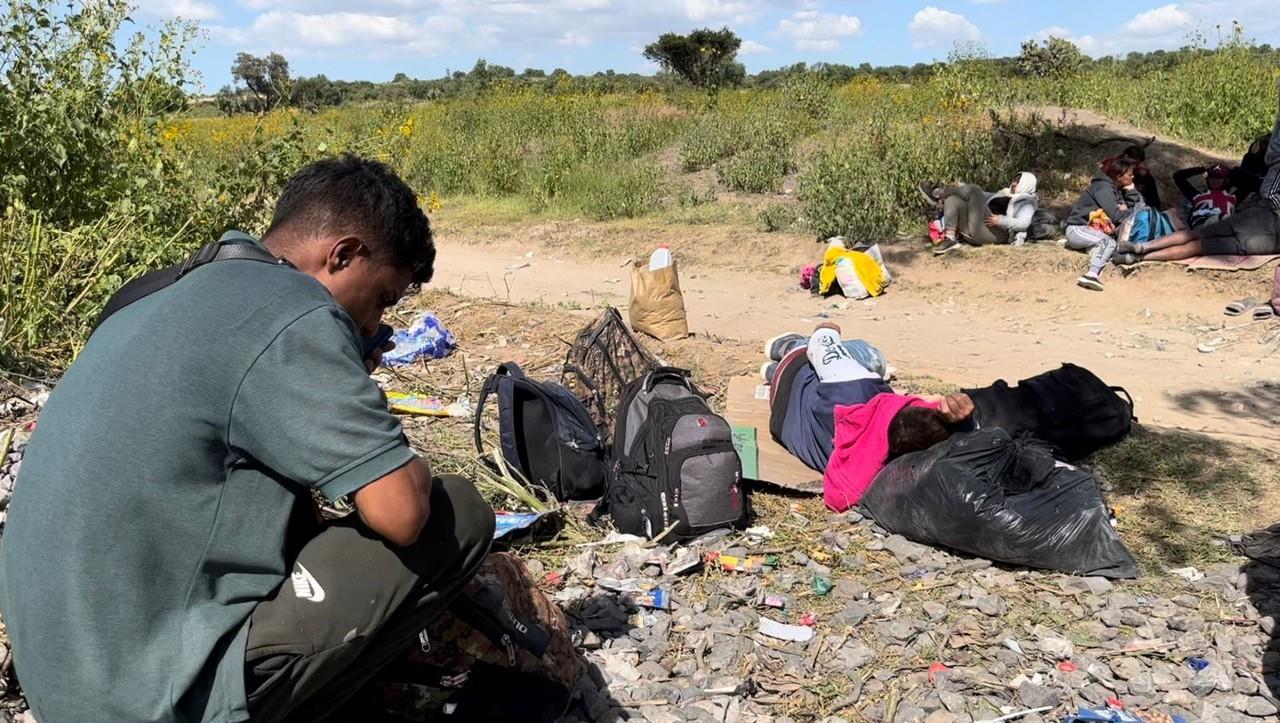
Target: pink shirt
(862, 447)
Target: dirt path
(989, 314)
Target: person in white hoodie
(974, 216)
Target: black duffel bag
(1069, 408)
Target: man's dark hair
(349, 194)
(1135, 152)
(915, 428)
(1118, 166)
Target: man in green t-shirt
(162, 560)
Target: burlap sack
(657, 306)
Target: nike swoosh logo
(305, 585)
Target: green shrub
(776, 217)
(710, 139)
(614, 191)
(757, 169)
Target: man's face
(1217, 183)
(366, 289)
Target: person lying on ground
(1253, 230)
(811, 382)
(980, 218)
(163, 522)
(1109, 199)
(1214, 203)
(1143, 179)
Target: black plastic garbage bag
(1005, 499)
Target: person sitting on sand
(1110, 198)
(821, 394)
(1214, 203)
(1253, 230)
(980, 218)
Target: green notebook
(744, 440)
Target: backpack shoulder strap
(153, 281)
(507, 369)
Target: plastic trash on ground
(426, 338)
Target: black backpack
(1070, 408)
(1044, 226)
(676, 472)
(546, 434)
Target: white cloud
(574, 39)
(931, 27)
(1159, 21)
(751, 47)
(810, 29)
(185, 9)
(538, 27)
(300, 34)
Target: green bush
(776, 217)
(615, 191)
(711, 138)
(759, 168)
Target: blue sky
(375, 39)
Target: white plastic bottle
(660, 259)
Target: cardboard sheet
(1227, 263)
(776, 465)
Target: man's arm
(397, 505)
(1182, 179)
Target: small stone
(1038, 696)
(905, 550)
(849, 589)
(1142, 684)
(991, 605)
(1180, 698)
(1126, 668)
(1185, 623)
(652, 670)
(935, 610)
(1132, 618)
(1259, 707)
(1110, 618)
(952, 701)
(1244, 686)
(1058, 648)
(941, 716)
(1093, 585)
(1190, 602)
(856, 655)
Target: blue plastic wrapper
(1197, 664)
(425, 338)
(507, 522)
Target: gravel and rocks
(900, 631)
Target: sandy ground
(967, 320)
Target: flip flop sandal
(1236, 308)
(1262, 312)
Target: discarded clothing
(871, 277)
(425, 338)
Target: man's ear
(343, 253)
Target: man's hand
(992, 220)
(397, 505)
(376, 357)
(956, 408)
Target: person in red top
(1213, 204)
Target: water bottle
(660, 259)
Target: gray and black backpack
(676, 472)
